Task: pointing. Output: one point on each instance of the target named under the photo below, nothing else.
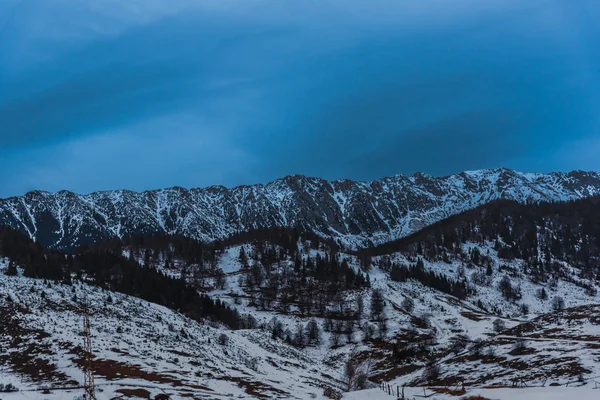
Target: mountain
(357, 214)
(503, 295)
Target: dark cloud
(203, 96)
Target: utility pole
(87, 348)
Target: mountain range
(354, 213)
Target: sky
(145, 94)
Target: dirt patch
(472, 316)
(23, 346)
(451, 392)
(113, 370)
(140, 393)
(257, 389)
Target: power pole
(87, 348)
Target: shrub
(408, 304)
(223, 339)
(499, 325)
(558, 303)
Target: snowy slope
(356, 213)
(143, 347)
(139, 346)
(561, 349)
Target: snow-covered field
(139, 347)
(538, 393)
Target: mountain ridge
(301, 176)
(355, 213)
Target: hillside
(356, 214)
(139, 348)
(503, 295)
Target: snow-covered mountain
(501, 296)
(358, 214)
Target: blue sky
(142, 94)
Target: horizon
(298, 175)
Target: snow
(370, 394)
(539, 393)
(543, 393)
(151, 339)
(384, 209)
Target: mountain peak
(352, 212)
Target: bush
(459, 343)
(558, 303)
(8, 388)
(432, 371)
(408, 304)
(223, 339)
(11, 270)
(520, 346)
(499, 325)
(331, 393)
(477, 347)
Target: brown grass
(23, 347)
(451, 392)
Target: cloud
(223, 92)
(174, 151)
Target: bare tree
(357, 371)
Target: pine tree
(313, 332)
(377, 303)
(11, 270)
(299, 337)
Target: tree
(408, 304)
(507, 289)
(276, 328)
(476, 256)
(313, 332)
(432, 371)
(519, 347)
(299, 337)
(335, 338)
(11, 270)
(243, 258)
(360, 305)
(368, 331)
(349, 330)
(356, 372)
(558, 303)
(382, 326)
(499, 325)
(223, 339)
(459, 343)
(377, 303)
(477, 347)
(220, 279)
